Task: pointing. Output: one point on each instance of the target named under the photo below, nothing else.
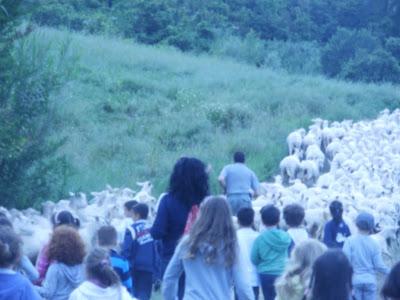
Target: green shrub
(393, 46)
(375, 67)
(294, 57)
(31, 167)
(250, 49)
(343, 47)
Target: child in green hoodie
(270, 251)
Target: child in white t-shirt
(246, 236)
(293, 214)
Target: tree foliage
(193, 25)
(29, 170)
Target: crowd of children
(212, 255)
(198, 252)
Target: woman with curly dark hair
(188, 187)
(210, 258)
(66, 253)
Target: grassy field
(129, 111)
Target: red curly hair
(66, 246)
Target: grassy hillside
(129, 111)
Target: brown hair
(66, 246)
(98, 267)
(213, 231)
(107, 236)
(10, 247)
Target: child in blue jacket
(336, 230)
(107, 238)
(138, 248)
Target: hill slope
(129, 111)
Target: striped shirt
(121, 267)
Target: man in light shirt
(239, 182)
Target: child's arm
(347, 251)
(49, 288)
(28, 268)
(160, 225)
(378, 263)
(241, 281)
(255, 253)
(126, 278)
(328, 236)
(172, 275)
(42, 263)
(127, 245)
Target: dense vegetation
(130, 110)
(350, 39)
(82, 110)
(29, 162)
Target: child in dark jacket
(336, 230)
(107, 239)
(138, 248)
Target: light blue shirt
(203, 280)
(365, 257)
(239, 179)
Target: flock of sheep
(356, 163)
(105, 207)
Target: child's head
(391, 288)
(107, 236)
(98, 268)
(293, 215)
(365, 222)
(302, 260)
(66, 246)
(332, 274)
(140, 212)
(214, 228)
(10, 247)
(336, 209)
(305, 253)
(245, 217)
(270, 215)
(239, 157)
(65, 217)
(128, 208)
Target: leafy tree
(29, 169)
(343, 46)
(375, 67)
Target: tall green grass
(129, 111)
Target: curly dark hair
(293, 214)
(66, 246)
(189, 181)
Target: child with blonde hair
(294, 282)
